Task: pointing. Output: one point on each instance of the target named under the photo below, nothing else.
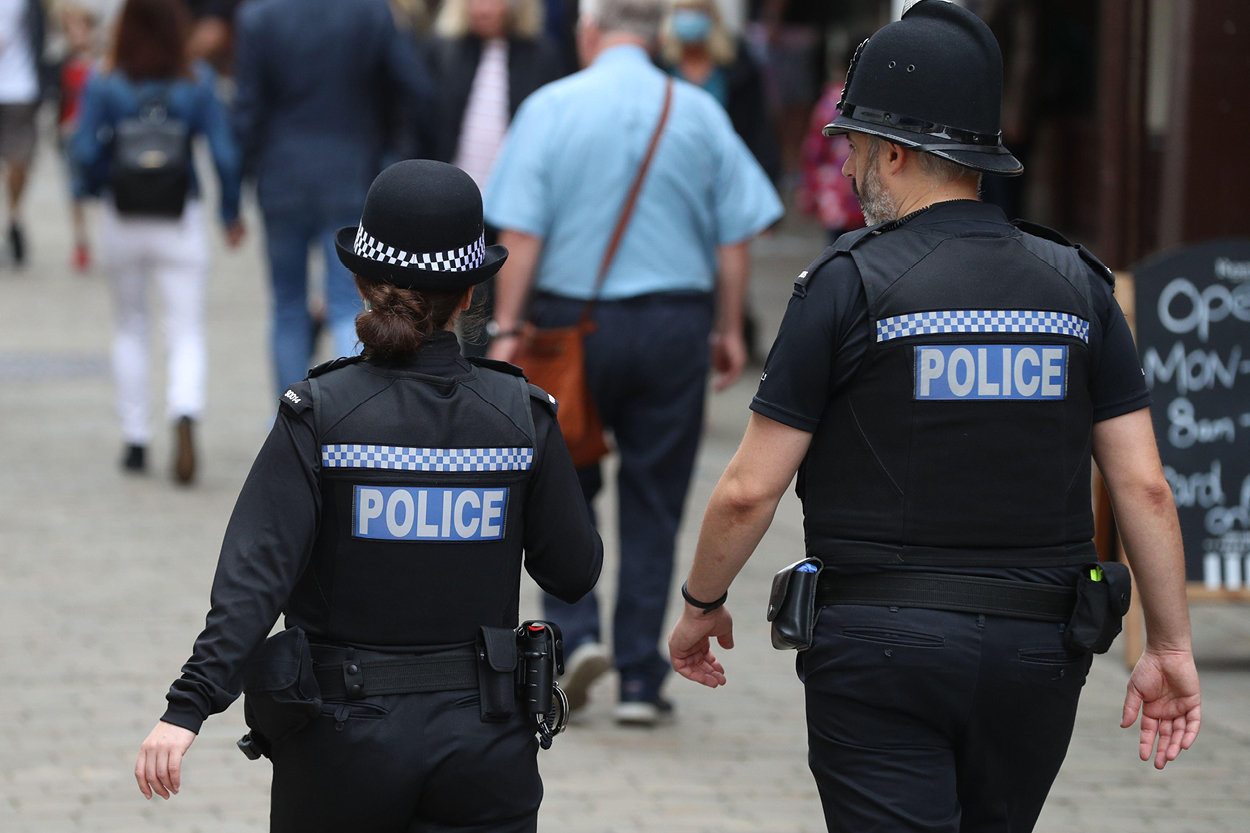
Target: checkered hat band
(456, 260)
(982, 321)
(426, 459)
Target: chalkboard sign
(1193, 334)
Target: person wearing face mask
(696, 47)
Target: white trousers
(173, 254)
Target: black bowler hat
(932, 81)
(421, 229)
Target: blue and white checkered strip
(982, 321)
(426, 459)
(456, 260)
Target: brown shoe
(184, 454)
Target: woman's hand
(159, 767)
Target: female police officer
(385, 516)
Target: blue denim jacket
(109, 98)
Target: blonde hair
(525, 19)
(721, 47)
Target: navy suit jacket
(320, 85)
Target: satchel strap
(627, 211)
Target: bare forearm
(1125, 450)
(1151, 533)
(512, 284)
(732, 529)
(734, 262)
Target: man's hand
(504, 348)
(1164, 689)
(729, 356)
(690, 648)
(159, 768)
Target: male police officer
(939, 382)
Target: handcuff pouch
(1103, 593)
(792, 605)
(281, 695)
(496, 673)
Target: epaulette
(1055, 237)
(297, 398)
(333, 364)
(547, 399)
(495, 364)
(844, 244)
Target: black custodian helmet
(932, 81)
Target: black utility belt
(348, 674)
(940, 591)
(287, 680)
(1091, 611)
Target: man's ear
(894, 158)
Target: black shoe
(134, 458)
(184, 451)
(17, 242)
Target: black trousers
(416, 763)
(925, 720)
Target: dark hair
(152, 39)
(399, 321)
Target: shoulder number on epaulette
(544, 397)
(297, 398)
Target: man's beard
(878, 204)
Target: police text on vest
(991, 371)
(388, 513)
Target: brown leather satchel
(554, 358)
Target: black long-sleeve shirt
(270, 537)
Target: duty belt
(350, 674)
(938, 591)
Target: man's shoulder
(832, 274)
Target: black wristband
(706, 607)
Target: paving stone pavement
(104, 583)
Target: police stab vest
(423, 482)
(964, 437)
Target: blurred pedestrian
(823, 191)
(788, 37)
(78, 26)
(698, 48)
(211, 31)
(489, 56)
(22, 33)
(557, 193)
(317, 80)
(152, 101)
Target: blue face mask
(691, 25)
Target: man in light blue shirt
(675, 286)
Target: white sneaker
(643, 712)
(585, 665)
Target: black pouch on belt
(281, 695)
(1103, 593)
(496, 673)
(792, 604)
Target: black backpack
(150, 174)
